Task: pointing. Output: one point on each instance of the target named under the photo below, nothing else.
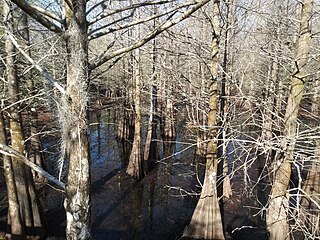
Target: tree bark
(135, 168)
(150, 150)
(74, 119)
(26, 193)
(310, 202)
(17, 228)
(224, 180)
(277, 211)
(35, 151)
(206, 222)
(169, 128)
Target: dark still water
(157, 207)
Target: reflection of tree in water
(167, 153)
(135, 210)
(136, 216)
(124, 148)
(102, 139)
(152, 187)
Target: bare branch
(105, 56)
(47, 13)
(43, 71)
(130, 24)
(4, 149)
(40, 14)
(104, 15)
(107, 68)
(110, 24)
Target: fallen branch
(4, 149)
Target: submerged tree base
(206, 221)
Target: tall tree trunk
(150, 150)
(169, 128)
(270, 102)
(17, 228)
(135, 168)
(121, 134)
(26, 193)
(277, 221)
(35, 152)
(201, 121)
(310, 202)
(206, 221)
(75, 120)
(279, 36)
(125, 125)
(224, 189)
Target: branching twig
(43, 71)
(106, 56)
(44, 17)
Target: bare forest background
(237, 80)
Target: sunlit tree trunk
(206, 221)
(169, 128)
(121, 134)
(17, 228)
(74, 119)
(150, 150)
(225, 188)
(200, 133)
(126, 125)
(134, 168)
(277, 221)
(150, 145)
(26, 193)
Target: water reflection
(122, 208)
(147, 209)
(103, 146)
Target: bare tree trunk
(35, 151)
(77, 202)
(277, 221)
(169, 128)
(206, 221)
(278, 85)
(125, 125)
(26, 193)
(122, 112)
(17, 228)
(135, 168)
(310, 202)
(150, 151)
(201, 120)
(224, 180)
(151, 144)
(270, 101)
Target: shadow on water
(156, 207)
(152, 208)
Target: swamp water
(159, 206)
